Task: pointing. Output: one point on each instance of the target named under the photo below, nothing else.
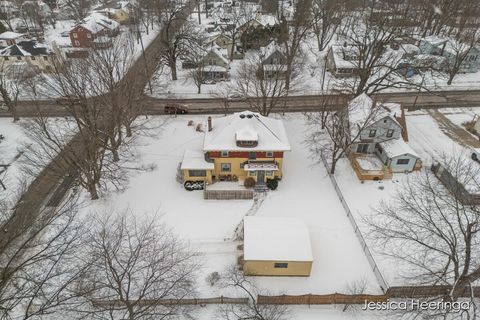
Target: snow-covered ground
(10, 154)
(305, 192)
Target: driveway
(453, 131)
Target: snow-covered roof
(270, 49)
(97, 22)
(218, 52)
(276, 239)
(247, 133)
(26, 48)
(271, 133)
(9, 35)
(364, 112)
(195, 160)
(435, 40)
(397, 147)
(339, 53)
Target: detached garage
(275, 246)
(398, 156)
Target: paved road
(453, 131)
(154, 106)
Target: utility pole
(137, 26)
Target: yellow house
(275, 246)
(240, 146)
(118, 14)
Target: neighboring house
(96, 30)
(259, 31)
(274, 61)
(341, 61)
(215, 66)
(225, 42)
(8, 9)
(9, 38)
(31, 53)
(276, 246)
(379, 131)
(245, 144)
(450, 49)
(117, 10)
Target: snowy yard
(304, 193)
(10, 155)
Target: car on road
(65, 34)
(176, 108)
(67, 100)
(476, 154)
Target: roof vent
(249, 116)
(242, 116)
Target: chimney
(210, 123)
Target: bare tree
(38, 262)
(79, 8)
(262, 86)
(234, 278)
(458, 51)
(177, 36)
(326, 19)
(12, 79)
(429, 228)
(137, 269)
(333, 132)
(292, 36)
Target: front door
(260, 177)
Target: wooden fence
(427, 291)
(147, 302)
(336, 298)
(227, 194)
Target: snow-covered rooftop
(270, 132)
(364, 112)
(276, 239)
(195, 160)
(9, 35)
(97, 22)
(397, 147)
(247, 133)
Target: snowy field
(305, 192)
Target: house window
(224, 154)
(269, 154)
(19, 58)
(268, 173)
(77, 43)
(280, 265)
(403, 161)
(362, 148)
(252, 173)
(197, 173)
(6, 58)
(225, 167)
(89, 35)
(33, 58)
(389, 133)
(45, 58)
(372, 133)
(252, 155)
(75, 35)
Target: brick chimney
(209, 123)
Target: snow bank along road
(154, 106)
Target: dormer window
(247, 143)
(246, 137)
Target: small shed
(275, 246)
(398, 155)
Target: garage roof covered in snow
(195, 160)
(276, 239)
(397, 147)
(270, 133)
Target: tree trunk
(128, 128)
(173, 68)
(92, 189)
